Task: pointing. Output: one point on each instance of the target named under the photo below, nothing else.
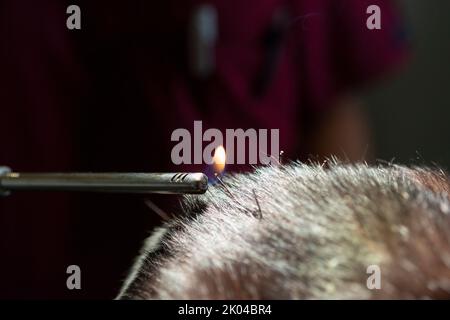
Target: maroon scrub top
(107, 98)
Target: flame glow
(219, 159)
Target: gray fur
(314, 234)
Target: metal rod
(167, 183)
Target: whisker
(278, 161)
(257, 203)
(157, 210)
(223, 184)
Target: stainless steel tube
(168, 183)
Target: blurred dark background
(410, 114)
(108, 96)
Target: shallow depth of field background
(410, 114)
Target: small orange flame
(219, 159)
